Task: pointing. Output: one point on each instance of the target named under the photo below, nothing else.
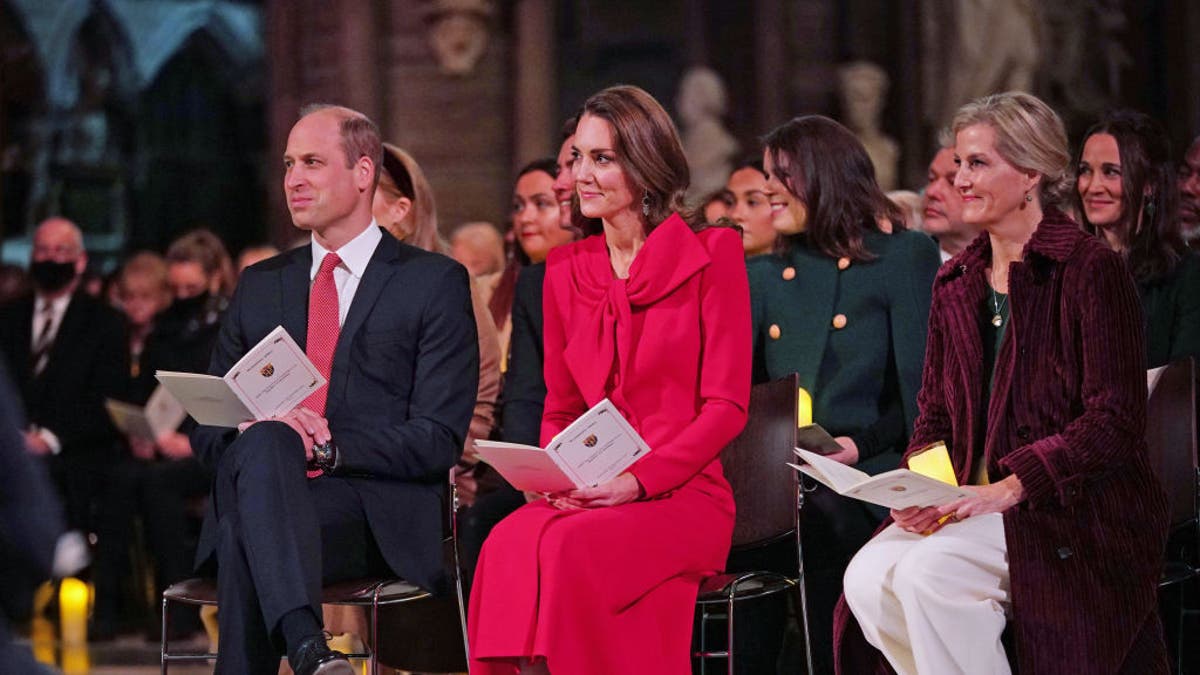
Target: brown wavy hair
(1148, 226)
(825, 166)
(648, 150)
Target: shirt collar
(59, 304)
(355, 254)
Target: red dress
(612, 590)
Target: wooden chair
(370, 592)
(769, 497)
(1171, 443)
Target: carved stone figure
(863, 87)
(458, 32)
(710, 148)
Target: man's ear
(364, 173)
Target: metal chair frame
(373, 593)
(1164, 447)
(727, 590)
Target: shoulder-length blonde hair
(1029, 135)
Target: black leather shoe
(314, 657)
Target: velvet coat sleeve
(1113, 387)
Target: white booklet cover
(271, 379)
(593, 449)
(895, 489)
(162, 413)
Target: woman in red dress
(653, 314)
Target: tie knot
(330, 261)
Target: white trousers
(934, 604)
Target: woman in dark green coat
(1127, 154)
(844, 303)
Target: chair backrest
(1171, 437)
(764, 488)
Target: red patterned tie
(323, 329)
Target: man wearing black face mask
(66, 353)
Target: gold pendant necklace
(997, 305)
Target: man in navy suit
(392, 326)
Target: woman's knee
(863, 582)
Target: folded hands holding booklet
(271, 379)
(593, 449)
(895, 489)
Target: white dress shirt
(355, 255)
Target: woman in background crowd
(1127, 194)
(845, 305)
(677, 370)
(159, 477)
(749, 208)
(1035, 381)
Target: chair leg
(802, 577)
(374, 647)
(462, 617)
(162, 648)
(729, 662)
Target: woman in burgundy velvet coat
(655, 316)
(1034, 378)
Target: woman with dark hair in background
(844, 305)
(749, 207)
(1035, 381)
(643, 312)
(1126, 193)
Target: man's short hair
(360, 136)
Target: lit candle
(73, 611)
(804, 408)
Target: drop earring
(646, 203)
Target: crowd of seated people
(1010, 312)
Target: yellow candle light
(73, 611)
(804, 407)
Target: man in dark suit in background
(391, 327)
(67, 352)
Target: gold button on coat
(843, 263)
(839, 321)
(789, 273)
(774, 331)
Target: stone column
(535, 109)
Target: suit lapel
(294, 286)
(73, 327)
(374, 280)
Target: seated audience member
(31, 520)
(66, 353)
(253, 254)
(845, 305)
(1189, 192)
(1127, 153)
(749, 208)
(676, 371)
(480, 248)
(1035, 381)
(717, 205)
(943, 203)
(909, 204)
(350, 483)
(158, 480)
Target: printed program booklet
(161, 414)
(895, 489)
(271, 379)
(593, 449)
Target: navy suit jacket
(401, 391)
